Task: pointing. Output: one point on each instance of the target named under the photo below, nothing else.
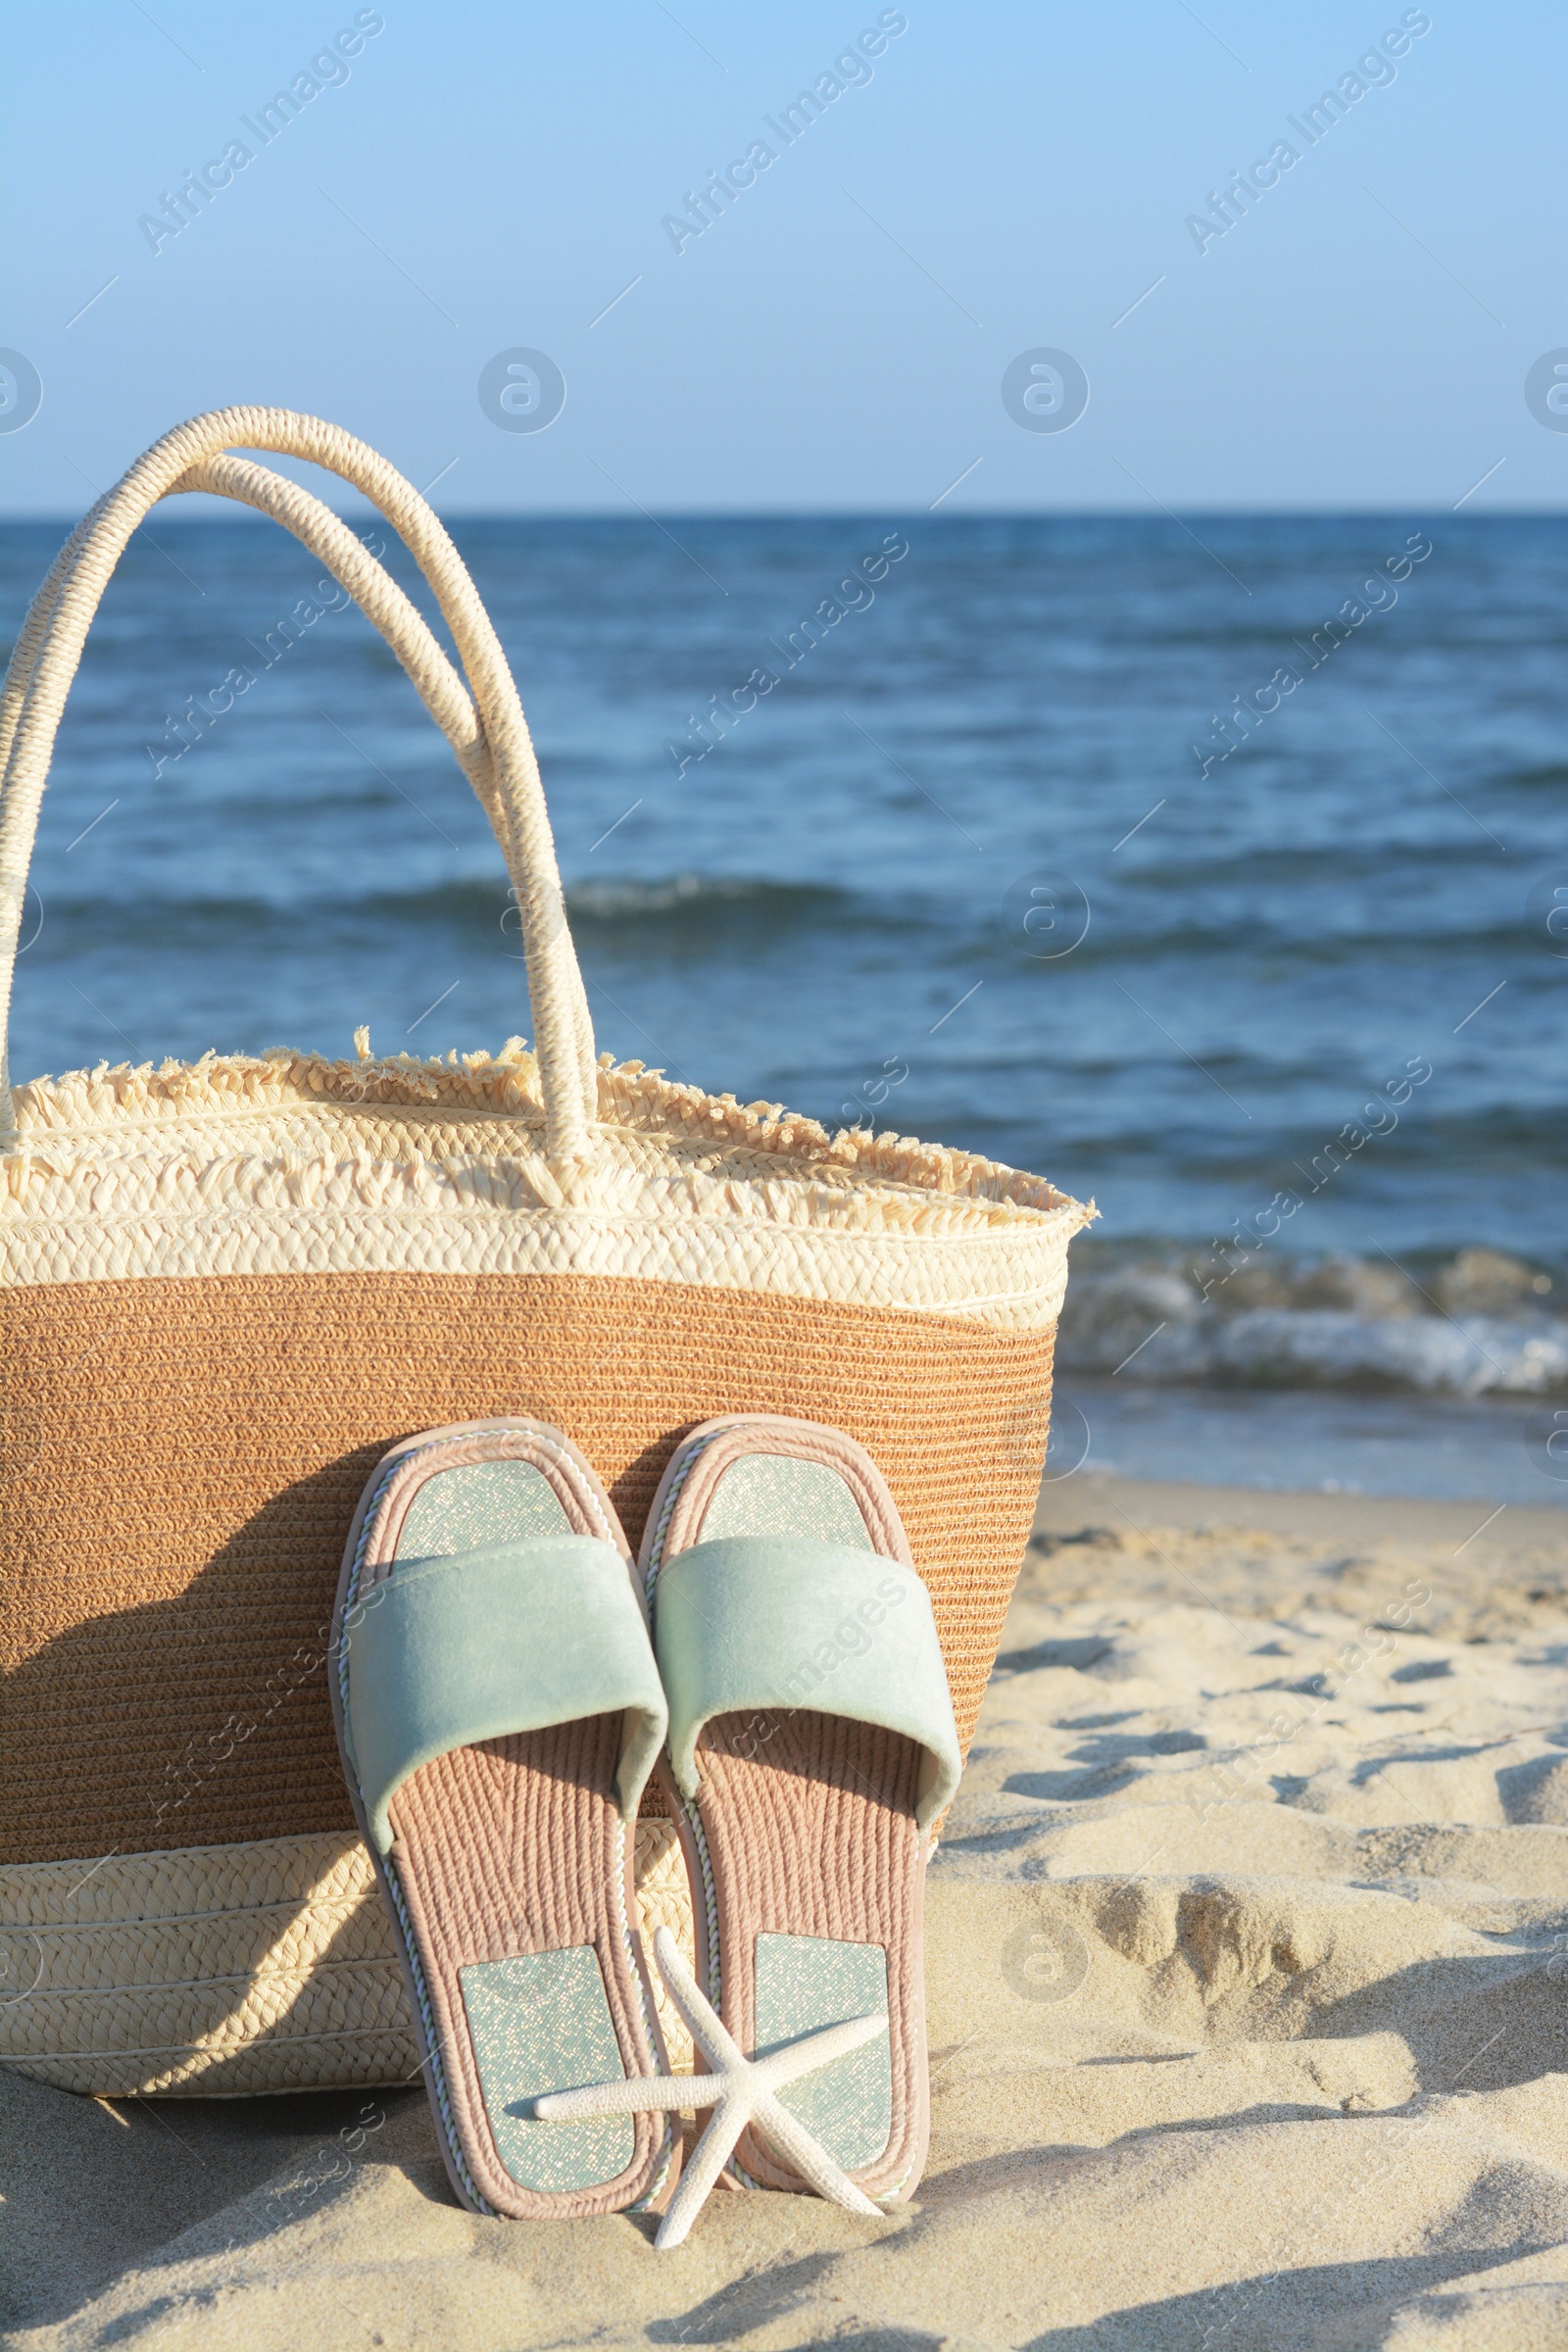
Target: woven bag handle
(492, 742)
(382, 600)
(443, 691)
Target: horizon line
(214, 511)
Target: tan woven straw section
(293, 1164)
(261, 1967)
(182, 1460)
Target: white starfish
(740, 2090)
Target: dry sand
(1249, 2000)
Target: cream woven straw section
(297, 1165)
(298, 1984)
(227, 1287)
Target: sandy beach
(1248, 1980)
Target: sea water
(1214, 868)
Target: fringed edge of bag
(505, 1085)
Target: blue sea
(1216, 869)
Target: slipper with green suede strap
(498, 1710)
(811, 1747)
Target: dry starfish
(739, 2089)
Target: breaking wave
(1477, 1323)
(697, 900)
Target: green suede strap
(482, 1644)
(784, 1621)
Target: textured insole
(803, 1983)
(540, 2022)
(480, 1503)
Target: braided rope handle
(482, 720)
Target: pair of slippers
(506, 1680)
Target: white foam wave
(1151, 1323)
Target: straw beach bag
(227, 1287)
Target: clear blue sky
(1009, 177)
